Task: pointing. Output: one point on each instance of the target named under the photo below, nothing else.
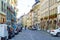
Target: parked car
(34, 28)
(30, 28)
(55, 32)
(3, 32)
(16, 31)
(10, 32)
(19, 28)
(48, 31)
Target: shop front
(49, 22)
(45, 23)
(58, 15)
(41, 24)
(2, 18)
(52, 21)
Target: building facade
(24, 20)
(3, 11)
(29, 20)
(11, 14)
(44, 13)
(36, 14)
(49, 14)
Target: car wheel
(58, 34)
(16, 33)
(13, 35)
(19, 30)
(9, 37)
(53, 35)
(4, 38)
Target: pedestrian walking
(25, 27)
(21, 29)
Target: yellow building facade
(44, 13)
(13, 3)
(3, 11)
(36, 15)
(24, 20)
(49, 14)
(2, 18)
(29, 20)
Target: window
(58, 0)
(54, 21)
(56, 10)
(4, 8)
(1, 5)
(3, 20)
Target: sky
(24, 6)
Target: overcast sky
(24, 6)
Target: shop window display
(47, 25)
(50, 25)
(54, 24)
(58, 23)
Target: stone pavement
(34, 35)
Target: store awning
(52, 16)
(46, 17)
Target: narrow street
(40, 16)
(34, 35)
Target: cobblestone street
(34, 35)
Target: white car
(16, 30)
(34, 28)
(48, 31)
(55, 32)
(3, 32)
